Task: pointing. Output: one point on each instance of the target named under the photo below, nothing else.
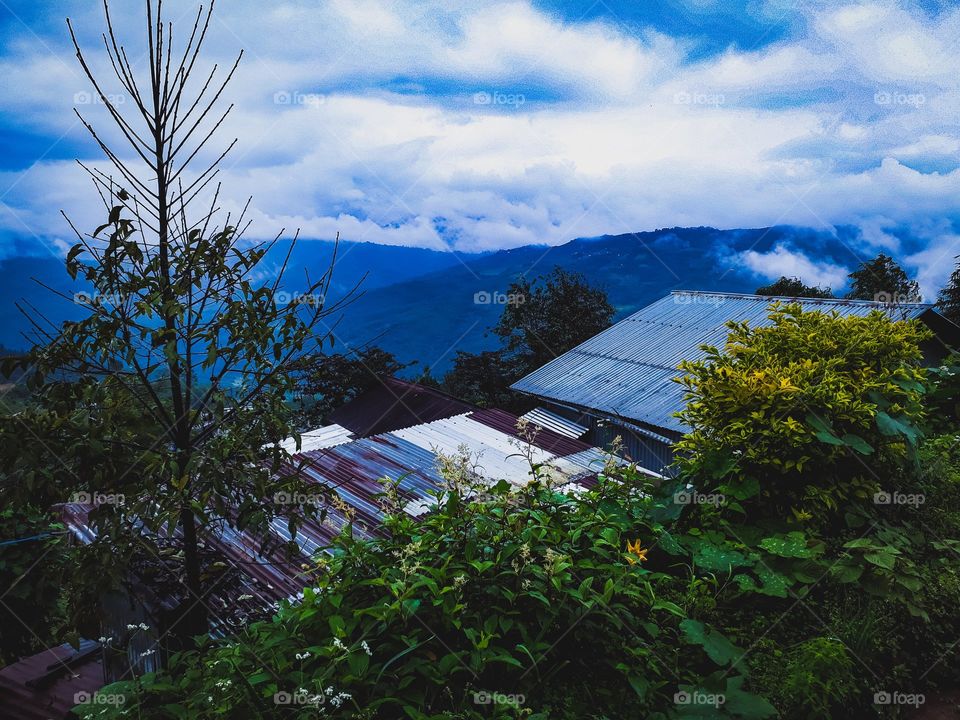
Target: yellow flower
(636, 553)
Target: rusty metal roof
(47, 685)
(393, 404)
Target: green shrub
(502, 603)
(798, 409)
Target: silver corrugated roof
(318, 439)
(627, 370)
(550, 420)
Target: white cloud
(607, 131)
(782, 261)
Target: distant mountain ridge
(424, 305)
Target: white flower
(329, 690)
(338, 644)
(131, 627)
(147, 653)
(302, 656)
(143, 626)
(245, 597)
(366, 648)
(338, 700)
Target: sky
(475, 126)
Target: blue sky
(484, 125)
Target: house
(620, 382)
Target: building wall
(648, 452)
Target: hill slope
(422, 304)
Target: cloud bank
(477, 126)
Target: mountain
(423, 305)
(22, 278)
(428, 318)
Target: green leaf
(717, 647)
(881, 560)
(857, 443)
(793, 545)
(897, 426)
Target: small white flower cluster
(223, 684)
(366, 648)
(302, 656)
(104, 640)
(141, 626)
(338, 699)
(338, 644)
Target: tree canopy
(883, 280)
(794, 287)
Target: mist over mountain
(424, 305)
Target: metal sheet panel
(551, 421)
(628, 370)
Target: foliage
(794, 287)
(883, 280)
(806, 409)
(327, 382)
(171, 392)
(552, 314)
(542, 319)
(948, 300)
(537, 600)
(32, 560)
(484, 379)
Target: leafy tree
(949, 298)
(794, 287)
(171, 392)
(883, 280)
(325, 382)
(485, 378)
(551, 315)
(803, 408)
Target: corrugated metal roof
(626, 371)
(318, 439)
(354, 471)
(551, 421)
(392, 404)
(47, 685)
